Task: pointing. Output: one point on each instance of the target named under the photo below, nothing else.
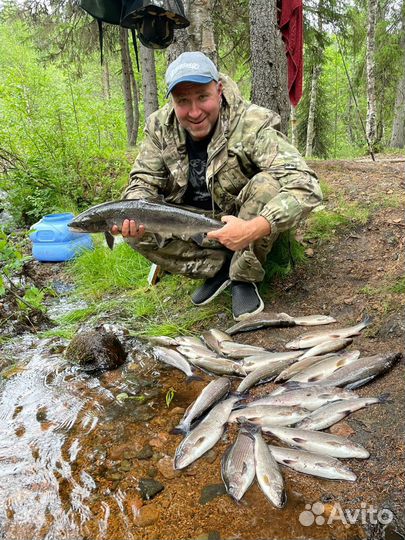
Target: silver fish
(213, 339)
(262, 320)
(300, 365)
(319, 442)
(310, 340)
(313, 320)
(262, 374)
(329, 414)
(175, 359)
(362, 371)
(238, 465)
(213, 392)
(326, 367)
(218, 365)
(189, 341)
(205, 435)
(164, 341)
(268, 473)
(195, 351)
(161, 219)
(327, 346)
(239, 350)
(310, 398)
(313, 464)
(269, 415)
(252, 362)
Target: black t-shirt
(197, 193)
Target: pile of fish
(315, 390)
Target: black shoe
(246, 300)
(212, 287)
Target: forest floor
(358, 270)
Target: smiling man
(210, 150)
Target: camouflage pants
(179, 256)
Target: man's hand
(130, 229)
(238, 233)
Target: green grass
(322, 225)
(399, 286)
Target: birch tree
(269, 64)
(370, 62)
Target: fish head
(88, 223)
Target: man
(210, 150)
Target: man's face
(197, 107)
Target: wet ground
(80, 454)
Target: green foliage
(33, 299)
(169, 396)
(285, 254)
(322, 225)
(399, 286)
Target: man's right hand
(130, 229)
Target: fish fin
(160, 241)
(361, 382)
(178, 430)
(315, 378)
(192, 378)
(321, 464)
(109, 238)
(198, 238)
(384, 398)
(283, 499)
(298, 439)
(367, 320)
(250, 429)
(289, 461)
(290, 385)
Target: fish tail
(384, 398)
(178, 430)
(192, 378)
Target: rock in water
(96, 351)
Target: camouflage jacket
(245, 143)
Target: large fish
(307, 341)
(300, 365)
(266, 415)
(318, 442)
(205, 435)
(329, 414)
(326, 367)
(250, 363)
(331, 345)
(278, 320)
(218, 365)
(362, 371)
(213, 392)
(161, 219)
(268, 473)
(312, 463)
(263, 373)
(177, 360)
(238, 465)
(310, 398)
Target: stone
(149, 488)
(123, 451)
(95, 351)
(165, 466)
(145, 453)
(177, 411)
(148, 515)
(342, 428)
(210, 492)
(159, 441)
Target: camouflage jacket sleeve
(149, 173)
(299, 187)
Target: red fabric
(291, 26)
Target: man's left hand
(238, 233)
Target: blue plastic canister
(52, 241)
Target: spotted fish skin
(238, 465)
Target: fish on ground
(312, 464)
(263, 373)
(262, 320)
(213, 392)
(362, 371)
(238, 465)
(326, 367)
(268, 473)
(175, 359)
(269, 415)
(250, 363)
(218, 365)
(307, 341)
(300, 365)
(331, 413)
(239, 350)
(196, 351)
(213, 339)
(310, 398)
(203, 437)
(161, 219)
(318, 442)
(332, 345)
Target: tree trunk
(371, 99)
(316, 71)
(129, 89)
(293, 121)
(269, 64)
(199, 36)
(150, 97)
(106, 80)
(398, 125)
